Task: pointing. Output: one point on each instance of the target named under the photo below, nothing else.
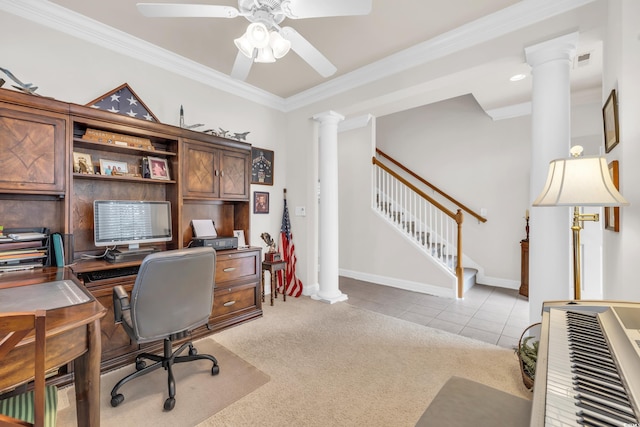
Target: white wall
(482, 163)
(71, 70)
(622, 62)
(370, 248)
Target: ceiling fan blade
(241, 67)
(298, 9)
(177, 10)
(308, 52)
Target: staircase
(428, 224)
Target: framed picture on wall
(261, 166)
(610, 119)
(612, 214)
(260, 202)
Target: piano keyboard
(584, 385)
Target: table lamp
(579, 181)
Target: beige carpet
(339, 365)
(330, 365)
(198, 394)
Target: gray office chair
(172, 295)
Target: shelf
(123, 178)
(103, 146)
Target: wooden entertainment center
(209, 178)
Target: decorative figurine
(24, 87)
(272, 255)
(240, 136)
(182, 125)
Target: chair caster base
(215, 370)
(169, 403)
(116, 400)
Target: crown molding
(64, 20)
(521, 14)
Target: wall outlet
(301, 211)
(483, 212)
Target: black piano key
(615, 382)
(605, 413)
(588, 420)
(624, 410)
(583, 387)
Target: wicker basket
(532, 330)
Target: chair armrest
(120, 303)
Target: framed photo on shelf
(242, 243)
(158, 168)
(82, 163)
(260, 202)
(610, 119)
(612, 214)
(113, 167)
(261, 166)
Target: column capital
(560, 48)
(328, 117)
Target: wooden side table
(524, 271)
(273, 267)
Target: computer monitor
(130, 222)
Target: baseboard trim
(497, 282)
(400, 284)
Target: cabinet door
(234, 174)
(33, 150)
(201, 177)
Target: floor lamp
(579, 181)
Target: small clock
(261, 166)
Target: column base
(330, 300)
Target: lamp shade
(258, 35)
(579, 181)
(279, 44)
(265, 55)
(244, 45)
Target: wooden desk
(73, 334)
(273, 267)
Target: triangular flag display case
(123, 100)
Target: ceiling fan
(265, 40)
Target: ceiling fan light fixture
(258, 35)
(265, 55)
(244, 45)
(279, 44)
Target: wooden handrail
(435, 203)
(433, 187)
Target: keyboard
(94, 276)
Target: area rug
(199, 395)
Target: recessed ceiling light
(518, 77)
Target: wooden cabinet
(210, 172)
(238, 291)
(33, 152)
(209, 178)
(524, 268)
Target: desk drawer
(237, 266)
(231, 300)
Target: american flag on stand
(287, 248)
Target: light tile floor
(494, 315)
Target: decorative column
(328, 214)
(549, 246)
